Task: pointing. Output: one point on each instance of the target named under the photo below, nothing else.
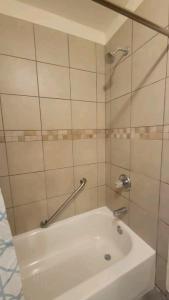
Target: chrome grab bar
(47, 222)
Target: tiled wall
(52, 122)
(137, 134)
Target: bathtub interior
(56, 259)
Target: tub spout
(120, 211)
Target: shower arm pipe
(47, 222)
(131, 15)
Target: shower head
(110, 56)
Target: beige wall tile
(101, 194)
(149, 62)
(107, 115)
(101, 96)
(122, 38)
(86, 201)
(164, 203)
(58, 154)
(11, 219)
(165, 162)
(101, 116)
(1, 123)
(54, 203)
(18, 76)
(146, 157)
(28, 217)
(115, 201)
(86, 171)
(163, 236)
(27, 188)
(108, 174)
(108, 84)
(120, 112)
(59, 182)
(24, 157)
(145, 193)
(154, 12)
(83, 115)
(56, 114)
(3, 160)
(120, 152)
(120, 79)
(148, 105)
(114, 176)
(84, 151)
(100, 58)
(101, 174)
(53, 81)
(82, 54)
(83, 85)
(101, 149)
(143, 224)
(20, 112)
(51, 46)
(6, 191)
(16, 37)
(166, 114)
(161, 269)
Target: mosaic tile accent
(51, 135)
(23, 136)
(145, 132)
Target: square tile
(28, 217)
(120, 79)
(55, 114)
(101, 169)
(101, 194)
(161, 272)
(53, 81)
(83, 115)
(101, 88)
(6, 191)
(53, 205)
(164, 203)
(18, 76)
(57, 53)
(120, 112)
(24, 157)
(148, 105)
(20, 112)
(84, 151)
(166, 114)
(86, 171)
(58, 154)
(146, 157)
(149, 62)
(163, 237)
(143, 224)
(82, 54)
(83, 85)
(28, 188)
(101, 116)
(100, 58)
(16, 37)
(86, 201)
(59, 182)
(120, 152)
(165, 162)
(3, 160)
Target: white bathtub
(66, 261)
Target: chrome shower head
(110, 56)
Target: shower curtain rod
(127, 13)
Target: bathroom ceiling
(84, 12)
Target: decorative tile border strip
(144, 132)
(51, 135)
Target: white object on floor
(10, 280)
(90, 256)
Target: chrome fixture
(120, 211)
(110, 56)
(127, 13)
(47, 222)
(124, 181)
